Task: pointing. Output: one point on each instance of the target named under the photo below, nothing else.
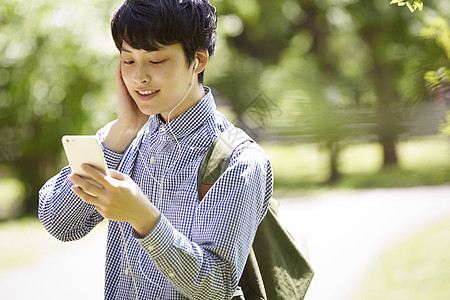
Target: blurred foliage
(445, 127)
(411, 4)
(319, 62)
(11, 201)
(54, 78)
(429, 72)
(321, 58)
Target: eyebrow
(125, 50)
(129, 51)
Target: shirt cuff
(160, 238)
(112, 158)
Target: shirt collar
(189, 121)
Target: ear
(203, 58)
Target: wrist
(119, 137)
(144, 223)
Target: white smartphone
(83, 149)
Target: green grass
(11, 197)
(415, 268)
(22, 242)
(25, 241)
(305, 166)
(297, 168)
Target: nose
(141, 75)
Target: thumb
(117, 175)
(115, 178)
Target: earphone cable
(128, 261)
(159, 199)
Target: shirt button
(126, 271)
(150, 248)
(152, 159)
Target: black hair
(150, 24)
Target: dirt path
(345, 232)
(72, 270)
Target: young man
(163, 242)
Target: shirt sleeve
(63, 214)
(210, 264)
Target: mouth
(146, 94)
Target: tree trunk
(34, 172)
(387, 125)
(333, 150)
(387, 135)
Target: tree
(318, 61)
(52, 83)
(326, 56)
(264, 32)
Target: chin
(148, 110)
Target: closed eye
(157, 62)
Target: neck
(196, 94)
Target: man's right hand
(130, 120)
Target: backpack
(276, 269)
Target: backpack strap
(218, 157)
(276, 268)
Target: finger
(125, 101)
(96, 174)
(121, 87)
(115, 179)
(72, 177)
(107, 182)
(119, 72)
(86, 197)
(86, 184)
(117, 175)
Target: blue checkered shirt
(198, 249)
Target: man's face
(158, 80)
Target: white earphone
(196, 64)
(158, 199)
